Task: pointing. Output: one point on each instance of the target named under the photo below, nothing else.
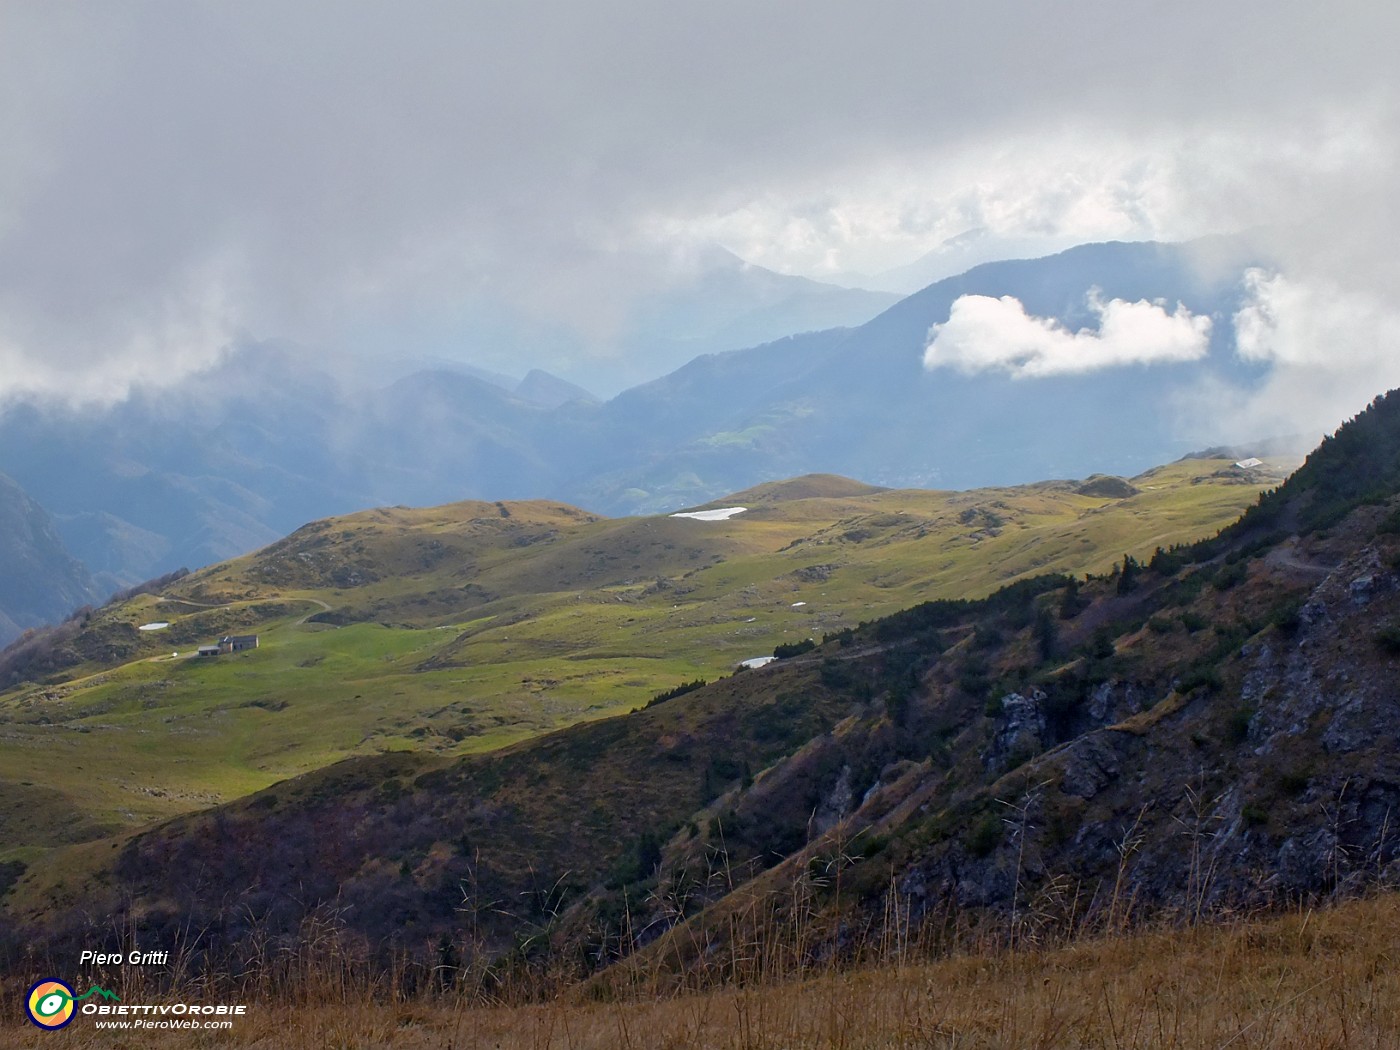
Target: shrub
(985, 836)
(1101, 645)
(985, 636)
(1201, 675)
(974, 679)
(1237, 727)
(1193, 621)
(10, 873)
(1159, 625)
(1294, 782)
(1230, 575)
(790, 649)
(1391, 524)
(1287, 618)
(1387, 637)
(680, 690)
(837, 674)
(1072, 603)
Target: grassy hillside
(463, 628)
(1203, 730)
(1183, 738)
(1309, 979)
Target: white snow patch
(159, 625)
(723, 514)
(758, 661)
(798, 605)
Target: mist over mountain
(958, 254)
(40, 581)
(271, 438)
(728, 304)
(680, 304)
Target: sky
(175, 176)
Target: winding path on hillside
(321, 607)
(1286, 556)
(324, 608)
(203, 605)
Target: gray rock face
(1281, 782)
(1091, 764)
(835, 805)
(1114, 701)
(1021, 732)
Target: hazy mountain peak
(549, 391)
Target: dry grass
(1310, 979)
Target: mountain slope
(548, 391)
(860, 402)
(724, 305)
(1209, 729)
(467, 627)
(40, 582)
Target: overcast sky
(176, 174)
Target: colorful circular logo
(50, 1004)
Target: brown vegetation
(1323, 979)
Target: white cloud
(983, 334)
(1328, 348)
(1292, 322)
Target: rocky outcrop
(1021, 731)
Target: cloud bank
(1330, 349)
(986, 334)
(418, 176)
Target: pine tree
(1128, 577)
(1072, 603)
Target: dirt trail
(323, 605)
(1286, 556)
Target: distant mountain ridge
(269, 439)
(40, 581)
(859, 402)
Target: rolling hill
(1206, 729)
(470, 626)
(415, 637)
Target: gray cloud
(337, 173)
